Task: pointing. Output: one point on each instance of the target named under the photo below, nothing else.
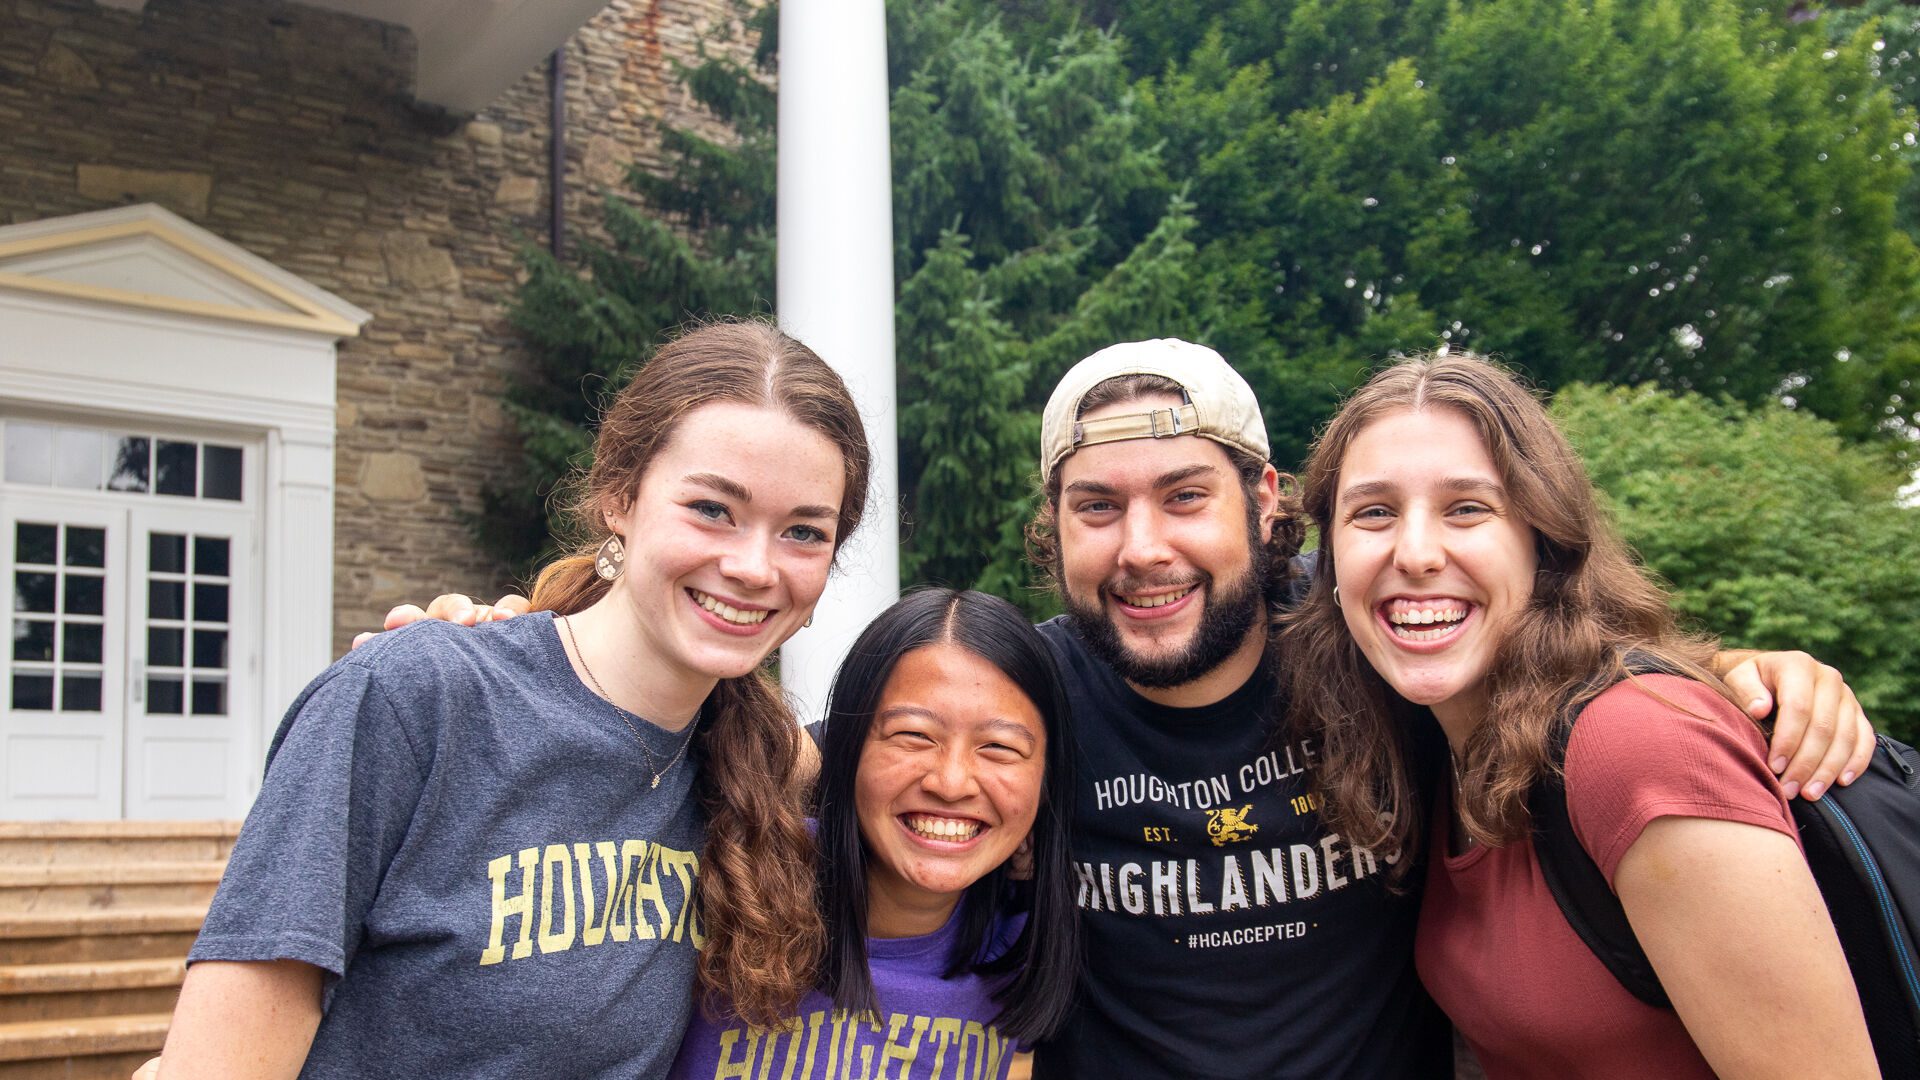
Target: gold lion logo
(1228, 826)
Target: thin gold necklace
(567, 621)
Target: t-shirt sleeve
(343, 780)
(1662, 746)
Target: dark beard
(1230, 612)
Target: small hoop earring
(611, 559)
(1336, 594)
(808, 623)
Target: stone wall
(292, 132)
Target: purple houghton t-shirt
(927, 1027)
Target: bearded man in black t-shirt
(1228, 933)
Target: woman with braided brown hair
(511, 851)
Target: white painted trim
(315, 310)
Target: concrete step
(94, 886)
(72, 990)
(91, 1067)
(30, 843)
(36, 1040)
(87, 936)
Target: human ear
(1267, 494)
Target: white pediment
(145, 257)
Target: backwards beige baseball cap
(1219, 403)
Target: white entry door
(62, 726)
(190, 662)
(130, 652)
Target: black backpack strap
(1575, 880)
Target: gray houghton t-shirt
(464, 837)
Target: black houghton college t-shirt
(1228, 933)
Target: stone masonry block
(413, 262)
(178, 190)
(63, 67)
(393, 477)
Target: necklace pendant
(656, 781)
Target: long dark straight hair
(1044, 960)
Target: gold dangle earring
(611, 559)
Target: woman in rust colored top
(1466, 567)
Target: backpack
(1863, 846)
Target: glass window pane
(32, 691)
(35, 543)
(222, 479)
(32, 640)
(167, 553)
(29, 449)
(33, 592)
(166, 600)
(86, 547)
(130, 464)
(82, 644)
(79, 459)
(86, 594)
(176, 466)
(164, 696)
(165, 647)
(209, 697)
(80, 693)
(209, 603)
(209, 648)
(210, 556)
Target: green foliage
(1033, 223)
(1773, 530)
(1696, 193)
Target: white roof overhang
(470, 51)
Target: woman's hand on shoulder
(1821, 735)
(1734, 925)
(450, 607)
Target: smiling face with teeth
(948, 783)
(728, 540)
(1157, 558)
(1432, 566)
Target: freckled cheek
(877, 787)
(1017, 797)
(807, 579)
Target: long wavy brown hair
(1591, 606)
(755, 889)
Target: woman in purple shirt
(944, 749)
